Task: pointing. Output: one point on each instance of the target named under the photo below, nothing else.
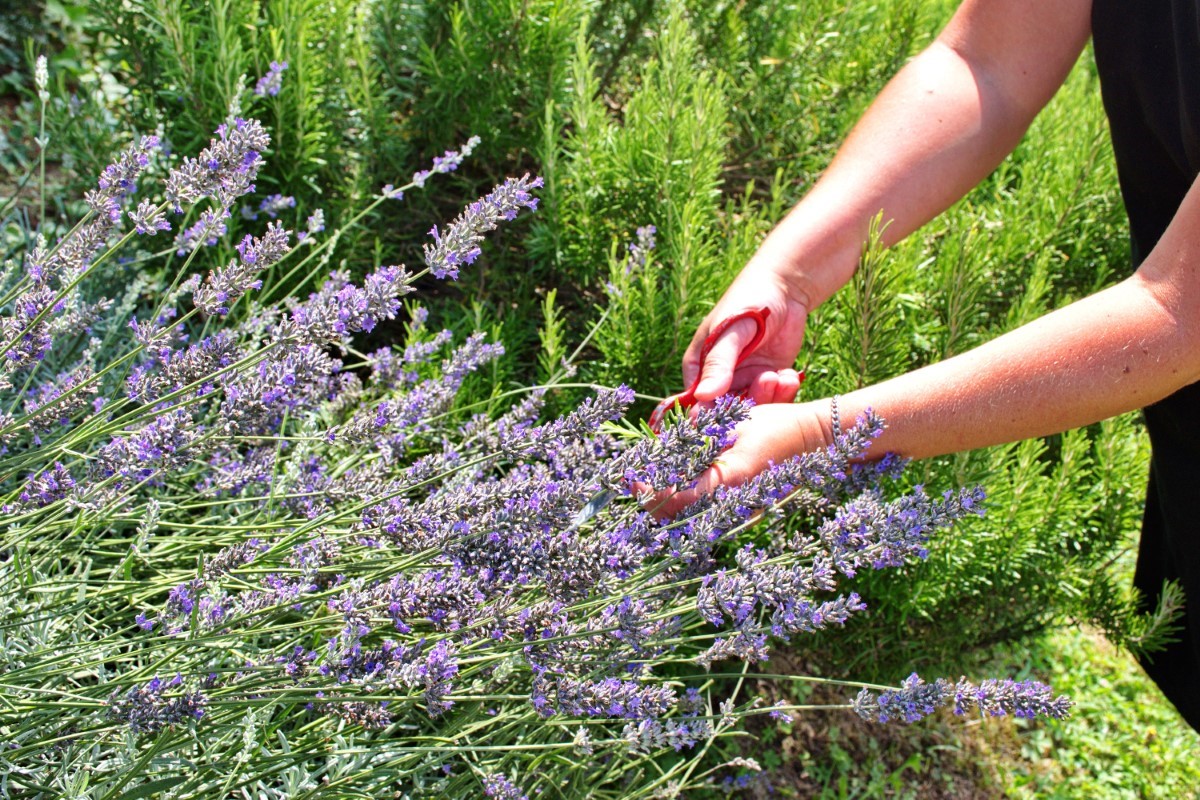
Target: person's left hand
(774, 433)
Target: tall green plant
(660, 166)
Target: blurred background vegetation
(706, 120)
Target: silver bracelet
(835, 419)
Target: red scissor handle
(687, 398)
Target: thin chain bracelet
(835, 419)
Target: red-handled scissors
(684, 399)
(687, 398)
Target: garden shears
(687, 398)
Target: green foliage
(552, 353)
(800, 76)
(1118, 743)
(488, 69)
(865, 332)
(661, 166)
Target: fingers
(667, 504)
(763, 388)
(770, 386)
(788, 386)
(718, 366)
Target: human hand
(766, 375)
(773, 434)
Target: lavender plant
(241, 556)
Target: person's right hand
(767, 374)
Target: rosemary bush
(239, 554)
(765, 103)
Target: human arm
(941, 125)
(1120, 349)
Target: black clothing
(1148, 57)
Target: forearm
(920, 147)
(1116, 351)
(940, 126)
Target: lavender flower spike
(640, 250)
(147, 709)
(119, 179)
(446, 163)
(276, 204)
(41, 79)
(916, 699)
(340, 308)
(460, 243)
(207, 231)
(254, 255)
(272, 81)
(225, 170)
(148, 219)
(26, 338)
(501, 788)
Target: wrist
(813, 426)
(809, 273)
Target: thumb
(716, 371)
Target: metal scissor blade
(593, 507)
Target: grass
(1124, 739)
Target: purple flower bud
(459, 244)
(272, 81)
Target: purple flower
(392, 370)
(119, 179)
(682, 450)
(288, 381)
(272, 81)
(640, 249)
(149, 708)
(276, 204)
(544, 440)
(498, 786)
(232, 557)
(27, 333)
(170, 369)
(1022, 699)
(340, 308)
(149, 219)
(611, 697)
(55, 402)
(460, 243)
(75, 252)
(431, 397)
(681, 732)
(314, 224)
(916, 699)
(224, 286)
(207, 231)
(447, 162)
(144, 454)
(225, 170)
(46, 487)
